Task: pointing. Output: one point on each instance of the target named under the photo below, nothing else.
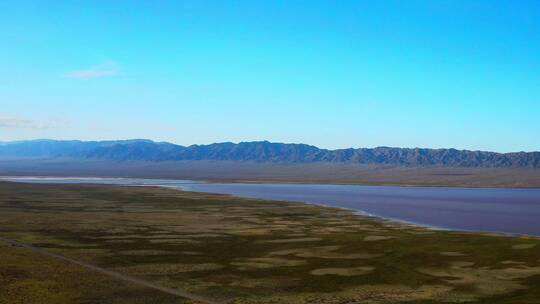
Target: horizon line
(256, 141)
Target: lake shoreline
(274, 181)
(188, 239)
(195, 186)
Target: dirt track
(114, 274)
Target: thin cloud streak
(13, 122)
(107, 69)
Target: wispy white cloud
(106, 69)
(14, 122)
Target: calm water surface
(484, 209)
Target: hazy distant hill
(263, 151)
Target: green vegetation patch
(248, 251)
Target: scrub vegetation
(27, 277)
(235, 250)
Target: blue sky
(463, 74)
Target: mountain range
(264, 151)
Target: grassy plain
(27, 277)
(244, 251)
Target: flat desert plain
(113, 244)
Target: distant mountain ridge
(264, 151)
